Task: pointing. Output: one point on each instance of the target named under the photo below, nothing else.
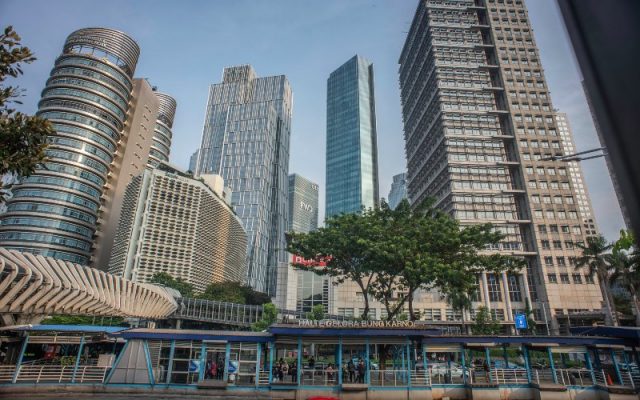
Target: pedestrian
(312, 362)
(351, 368)
(361, 369)
(293, 370)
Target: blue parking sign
(521, 321)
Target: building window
(514, 288)
(493, 284)
(564, 278)
(589, 279)
(548, 261)
(552, 278)
(577, 278)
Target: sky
(185, 46)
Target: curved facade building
(162, 134)
(54, 212)
(179, 225)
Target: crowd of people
(282, 369)
(352, 372)
(214, 369)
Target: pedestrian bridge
(32, 286)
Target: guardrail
(6, 373)
(395, 377)
(509, 376)
(315, 377)
(61, 374)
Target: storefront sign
(327, 323)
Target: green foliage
(23, 138)
(405, 250)
(595, 258)
(269, 317)
(83, 320)
(234, 292)
(485, 323)
(164, 279)
(316, 313)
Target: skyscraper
(246, 141)
(179, 225)
(132, 159)
(398, 190)
(54, 212)
(480, 131)
(577, 177)
(352, 151)
(303, 204)
(193, 161)
(162, 135)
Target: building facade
(193, 161)
(179, 225)
(162, 134)
(577, 177)
(54, 212)
(480, 133)
(246, 140)
(352, 151)
(303, 204)
(135, 144)
(398, 190)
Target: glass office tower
(352, 153)
(480, 136)
(398, 190)
(246, 141)
(303, 204)
(54, 211)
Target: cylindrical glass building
(161, 146)
(54, 211)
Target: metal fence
(61, 373)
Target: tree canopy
(234, 292)
(23, 138)
(164, 279)
(391, 253)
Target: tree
(316, 313)
(23, 138)
(341, 249)
(594, 258)
(234, 292)
(269, 317)
(60, 319)
(164, 279)
(485, 323)
(625, 268)
(391, 253)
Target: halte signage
(327, 323)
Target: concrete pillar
(507, 298)
(485, 290)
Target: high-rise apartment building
(577, 177)
(246, 141)
(179, 225)
(162, 135)
(480, 132)
(398, 190)
(131, 160)
(352, 151)
(54, 212)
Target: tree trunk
(365, 313)
(412, 315)
(608, 299)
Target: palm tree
(594, 258)
(626, 273)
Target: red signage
(298, 260)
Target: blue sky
(185, 45)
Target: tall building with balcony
(352, 151)
(54, 212)
(130, 160)
(480, 133)
(246, 140)
(179, 225)
(398, 190)
(161, 146)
